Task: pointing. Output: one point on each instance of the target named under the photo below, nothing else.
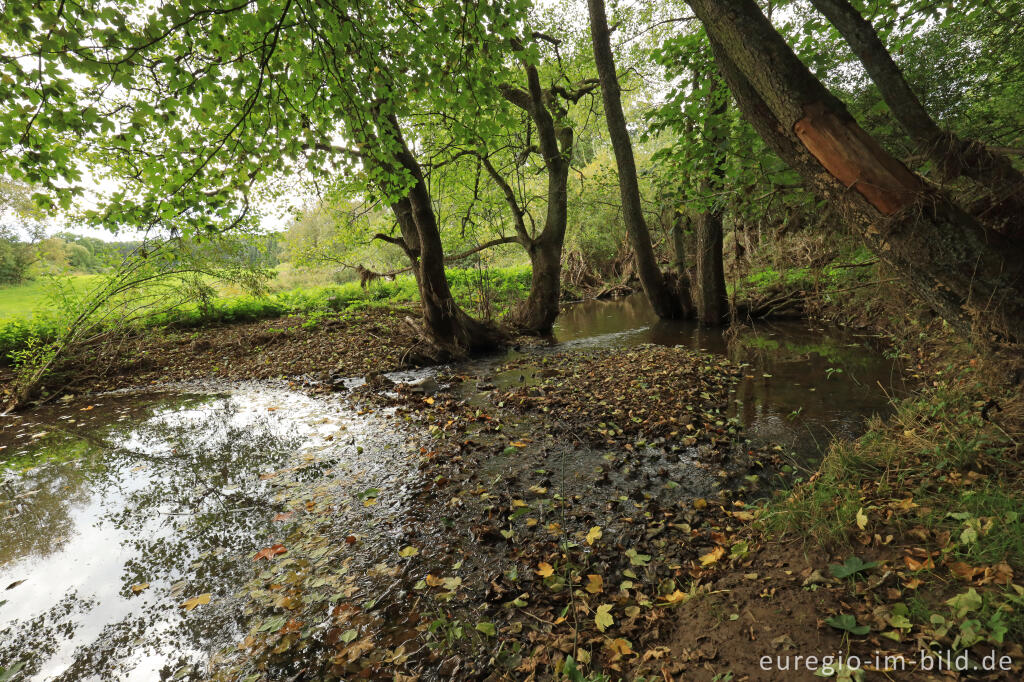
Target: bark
(679, 223)
(664, 297)
(537, 314)
(709, 294)
(946, 256)
(952, 155)
(448, 330)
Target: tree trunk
(679, 223)
(663, 296)
(450, 332)
(947, 257)
(537, 314)
(948, 152)
(709, 294)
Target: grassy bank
(485, 293)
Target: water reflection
(804, 384)
(170, 498)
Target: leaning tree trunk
(664, 298)
(449, 331)
(709, 294)
(952, 155)
(948, 258)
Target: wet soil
(478, 521)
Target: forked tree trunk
(664, 297)
(537, 314)
(950, 154)
(709, 294)
(967, 272)
(450, 332)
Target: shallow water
(805, 383)
(173, 491)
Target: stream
(129, 523)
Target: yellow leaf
(620, 647)
(434, 581)
(369, 502)
(140, 587)
(862, 519)
(712, 556)
(595, 584)
(700, 503)
(519, 503)
(409, 551)
(544, 569)
(675, 597)
(603, 618)
(428, 401)
(531, 522)
(594, 535)
(190, 604)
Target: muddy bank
(343, 345)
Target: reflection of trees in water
(185, 490)
(40, 637)
(40, 524)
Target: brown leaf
(965, 571)
(915, 565)
(269, 553)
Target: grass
(944, 482)
(25, 300)
(485, 293)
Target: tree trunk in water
(948, 152)
(709, 295)
(446, 327)
(952, 261)
(663, 296)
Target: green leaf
(962, 604)
(851, 566)
(487, 628)
(847, 622)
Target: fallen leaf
(190, 604)
(139, 588)
(269, 553)
(603, 618)
(712, 556)
(915, 565)
(862, 519)
(595, 583)
(544, 569)
(409, 551)
(593, 535)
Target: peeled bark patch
(854, 158)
